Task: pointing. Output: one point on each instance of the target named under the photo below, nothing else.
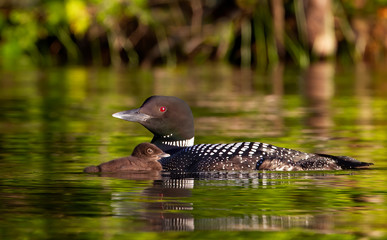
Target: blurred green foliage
(152, 32)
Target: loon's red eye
(163, 109)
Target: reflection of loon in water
(160, 203)
(165, 205)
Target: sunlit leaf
(78, 16)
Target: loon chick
(144, 157)
(171, 121)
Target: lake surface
(55, 122)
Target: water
(55, 122)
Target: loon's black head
(169, 119)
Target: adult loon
(144, 157)
(171, 121)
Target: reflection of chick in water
(143, 158)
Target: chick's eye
(162, 109)
(149, 150)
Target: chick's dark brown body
(145, 157)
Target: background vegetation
(147, 33)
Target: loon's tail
(346, 162)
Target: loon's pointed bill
(132, 115)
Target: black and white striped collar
(180, 143)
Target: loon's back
(252, 156)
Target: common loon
(171, 121)
(144, 157)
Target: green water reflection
(55, 122)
